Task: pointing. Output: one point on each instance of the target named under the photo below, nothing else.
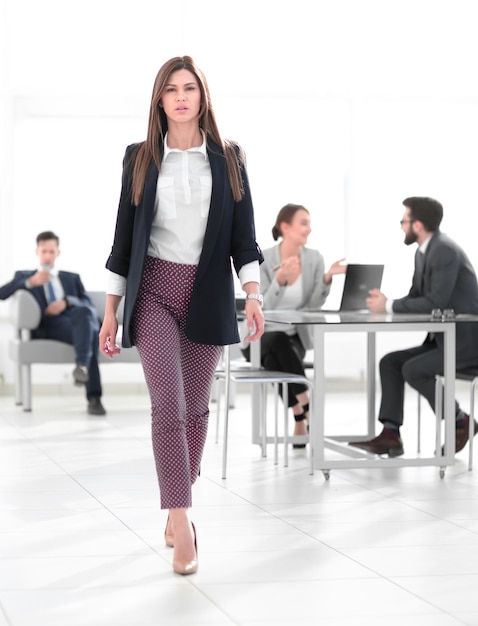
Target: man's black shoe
(80, 374)
(95, 407)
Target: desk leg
(371, 387)
(318, 404)
(449, 391)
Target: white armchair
(25, 316)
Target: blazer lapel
(149, 196)
(218, 201)
(307, 277)
(39, 293)
(65, 283)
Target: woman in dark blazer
(185, 213)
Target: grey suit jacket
(448, 282)
(315, 291)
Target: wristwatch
(255, 296)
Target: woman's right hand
(109, 328)
(107, 336)
(289, 270)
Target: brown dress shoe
(388, 442)
(462, 432)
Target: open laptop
(359, 280)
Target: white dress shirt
(291, 299)
(55, 283)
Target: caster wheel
(442, 472)
(326, 474)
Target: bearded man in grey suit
(443, 279)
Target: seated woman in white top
(293, 277)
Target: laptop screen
(359, 280)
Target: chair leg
(18, 383)
(227, 383)
(311, 426)
(438, 413)
(225, 435)
(471, 433)
(275, 387)
(419, 424)
(285, 401)
(263, 409)
(218, 408)
(26, 386)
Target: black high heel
(300, 418)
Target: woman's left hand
(255, 320)
(338, 267)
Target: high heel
(187, 567)
(168, 539)
(301, 417)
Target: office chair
(262, 378)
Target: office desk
(369, 323)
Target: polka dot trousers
(179, 374)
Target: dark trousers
(281, 352)
(79, 327)
(416, 366)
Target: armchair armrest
(25, 313)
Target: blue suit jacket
(71, 283)
(449, 282)
(230, 233)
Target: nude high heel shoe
(168, 538)
(187, 567)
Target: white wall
(346, 106)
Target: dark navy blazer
(230, 234)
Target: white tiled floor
(81, 532)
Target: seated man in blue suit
(68, 314)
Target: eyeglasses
(402, 222)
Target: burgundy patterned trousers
(179, 375)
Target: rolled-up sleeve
(250, 273)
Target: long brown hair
(153, 147)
